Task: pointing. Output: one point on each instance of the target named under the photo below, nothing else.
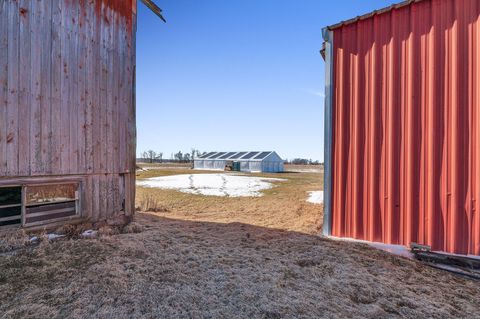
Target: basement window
(10, 206)
(50, 203)
(36, 205)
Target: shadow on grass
(184, 269)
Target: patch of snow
(34, 239)
(213, 184)
(89, 233)
(54, 236)
(393, 249)
(315, 197)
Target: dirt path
(183, 269)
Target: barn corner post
(327, 176)
(134, 105)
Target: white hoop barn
(268, 162)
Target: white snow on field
(393, 249)
(213, 184)
(315, 197)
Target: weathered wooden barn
(67, 111)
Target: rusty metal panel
(406, 126)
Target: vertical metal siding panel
(372, 162)
(430, 128)
(385, 26)
(409, 186)
(357, 124)
(414, 130)
(377, 135)
(404, 21)
(367, 78)
(476, 101)
(395, 132)
(405, 127)
(350, 191)
(457, 109)
(421, 84)
(471, 116)
(445, 195)
(340, 141)
(435, 231)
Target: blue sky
(233, 75)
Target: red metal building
(403, 126)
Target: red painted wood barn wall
(406, 126)
(67, 98)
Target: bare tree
(159, 156)
(179, 156)
(149, 155)
(195, 153)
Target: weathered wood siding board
(67, 97)
(13, 87)
(3, 86)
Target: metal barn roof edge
(212, 156)
(370, 15)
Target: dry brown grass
(149, 203)
(283, 206)
(13, 239)
(184, 269)
(211, 257)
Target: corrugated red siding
(406, 127)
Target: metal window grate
(50, 203)
(10, 206)
(36, 205)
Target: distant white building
(268, 162)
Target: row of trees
(151, 156)
(303, 161)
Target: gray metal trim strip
(327, 183)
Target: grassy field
(283, 206)
(215, 257)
